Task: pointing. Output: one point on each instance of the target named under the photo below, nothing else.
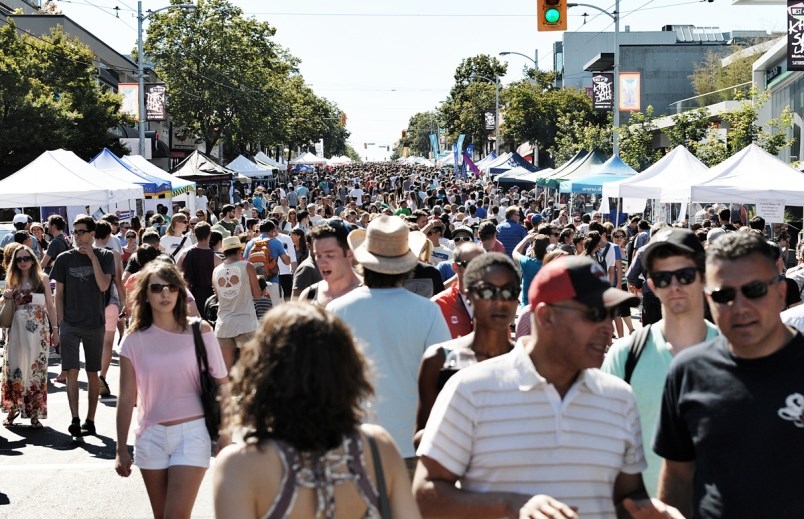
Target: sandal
(9, 421)
(36, 424)
(60, 379)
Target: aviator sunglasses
(159, 288)
(685, 276)
(488, 292)
(752, 290)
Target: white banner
(771, 210)
(634, 205)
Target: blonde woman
(24, 388)
(176, 237)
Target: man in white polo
(539, 432)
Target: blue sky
(382, 62)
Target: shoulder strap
(385, 505)
(637, 345)
(181, 244)
(200, 348)
(312, 292)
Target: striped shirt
(501, 427)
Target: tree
(689, 128)
(420, 126)
(352, 153)
(574, 135)
(636, 140)
(468, 84)
(711, 76)
(223, 71)
(532, 113)
(49, 98)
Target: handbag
(7, 313)
(385, 504)
(210, 399)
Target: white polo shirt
(501, 427)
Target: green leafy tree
(689, 128)
(532, 114)
(49, 98)
(420, 126)
(223, 71)
(471, 93)
(353, 154)
(636, 140)
(711, 76)
(573, 135)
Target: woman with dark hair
(492, 285)
(591, 243)
(298, 394)
(24, 375)
(159, 372)
(300, 244)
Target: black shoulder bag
(637, 345)
(385, 504)
(209, 387)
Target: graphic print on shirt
(794, 410)
(81, 273)
(228, 281)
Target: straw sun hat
(387, 245)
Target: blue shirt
(510, 233)
(530, 267)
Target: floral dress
(24, 375)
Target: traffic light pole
(616, 94)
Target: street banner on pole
(489, 116)
(795, 35)
(130, 93)
(630, 94)
(603, 91)
(155, 102)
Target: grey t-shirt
(84, 302)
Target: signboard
(629, 92)
(603, 91)
(489, 117)
(771, 210)
(155, 102)
(795, 35)
(131, 99)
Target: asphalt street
(45, 473)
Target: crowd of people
(395, 341)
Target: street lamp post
(141, 67)
(534, 59)
(496, 82)
(615, 99)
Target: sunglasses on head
(23, 259)
(595, 314)
(488, 292)
(685, 276)
(159, 288)
(752, 290)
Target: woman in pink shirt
(158, 370)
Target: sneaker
(75, 429)
(88, 428)
(104, 388)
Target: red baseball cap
(575, 277)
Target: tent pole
(617, 216)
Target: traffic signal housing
(551, 15)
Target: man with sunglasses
(732, 419)
(674, 264)
(539, 432)
(83, 275)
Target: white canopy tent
(309, 158)
(266, 161)
(667, 181)
(337, 161)
(181, 190)
(750, 176)
(242, 165)
(61, 178)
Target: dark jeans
(651, 308)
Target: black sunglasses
(488, 292)
(752, 290)
(23, 259)
(81, 232)
(159, 288)
(685, 276)
(595, 314)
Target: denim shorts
(163, 446)
(70, 337)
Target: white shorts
(163, 446)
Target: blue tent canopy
(612, 170)
(111, 164)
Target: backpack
(261, 257)
(600, 256)
(210, 310)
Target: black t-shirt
(742, 422)
(84, 303)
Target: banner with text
(603, 91)
(155, 102)
(795, 35)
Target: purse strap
(200, 348)
(181, 244)
(385, 505)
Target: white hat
(20, 218)
(387, 246)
